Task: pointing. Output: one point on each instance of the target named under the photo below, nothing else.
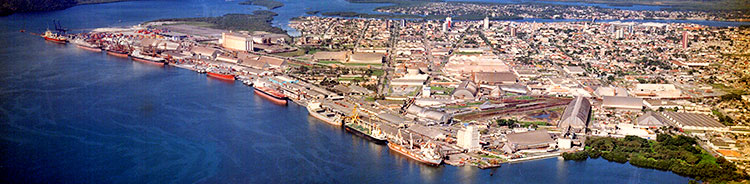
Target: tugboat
(427, 153)
(317, 111)
(54, 37)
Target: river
(72, 116)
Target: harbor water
(69, 115)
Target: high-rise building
(468, 138)
(631, 30)
(445, 26)
(449, 21)
(512, 31)
(486, 23)
(619, 33)
(403, 22)
(684, 39)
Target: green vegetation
(506, 122)
(679, 154)
(298, 52)
(510, 122)
(726, 120)
(312, 12)
(533, 123)
(329, 62)
(377, 72)
(270, 4)
(258, 21)
(525, 98)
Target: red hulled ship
(271, 94)
(220, 75)
(52, 37)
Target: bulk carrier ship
(427, 153)
(369, 131)
(137, 55)
(269, 93)
(83, 44)
(317, 111)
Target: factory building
(468, 138)
(576, 115)
(236, 41)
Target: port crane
(58, 27)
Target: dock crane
(58, 27)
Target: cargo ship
(317, 111)
(117, 50)
(80, 43)
(368, 131)
(52, 37)
(427, 153)
(138, 56)
(220, 75)
(270, 94)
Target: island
(260, 20)
(270, 4)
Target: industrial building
(656, 91)
(576, 115)
(622, 103)
(495, 78)
(236, 41)
(468, 138)
(466, 90)
(693, 121)
(651, 120)
(527, 140)
(368, 58)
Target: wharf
(538, 157)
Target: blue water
(73, 116)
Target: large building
(656, 91)
(495, 78)
(693, 121)
(468, 138)
(622, 103)
(236, 42)
(527, 140)
(651, 120)
(576, 115)
(469, 64)
(466, 90)
(366, 58)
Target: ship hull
(323, 118)
(55, 40)
(156, 63)
(272, 98)
(401, 150)
(118, 54)
(89, 48)
(221, 76)
(363, 135)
